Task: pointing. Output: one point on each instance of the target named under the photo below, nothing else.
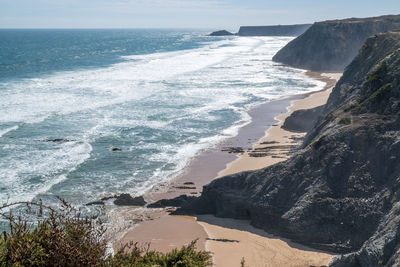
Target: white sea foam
(33, 100)
(22, 180)
(148, 100)
(7, 130)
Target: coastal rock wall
(340, 192)
(331, 45)
(302, 120)
(276, 30)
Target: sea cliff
(340, 191)
(329, 46)
(274, 30)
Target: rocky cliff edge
(341, 191)
(329, 46)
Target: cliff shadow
(244, 225)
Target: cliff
(302, 120)
(276, 30)
(341, 191)
(331, 45)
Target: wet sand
(277, 141)
(205, 167)
(165, 232)
(137, 224)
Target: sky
(207, 14)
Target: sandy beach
(276, 138)
(257, 247)
(164, 232)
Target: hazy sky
(215, 14)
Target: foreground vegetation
(64, 237)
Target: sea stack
(221, 33)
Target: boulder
(128, 200)
(180, 201)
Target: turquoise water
(68, 98)
(29, 53)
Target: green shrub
(394, 198)
(360, 109)
(382, 92)
(373, 78)
(66, 238)
(187, 256)
(376, 76)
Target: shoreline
(165, 232)
(126, 219)
(128, 223)
(277, 143)
(217, 157)
(257, 246)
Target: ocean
(90, 113)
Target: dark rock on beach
(234, 150)
(223, 240)
(128, 200)
(331, 45)
(341, 191)
(101, 201)
(184, 187)
(180, 201)
(108, 198)
(221, 33)
(95, 203)
(274, 151)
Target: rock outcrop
(221, 33)
(275, 30)
(179, 201)
(331, 45)
(341, 191)
(128, 200)
(302, 120)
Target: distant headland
(272, 30)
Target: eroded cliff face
(341, 191)
(331, 45)
(274, 30)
